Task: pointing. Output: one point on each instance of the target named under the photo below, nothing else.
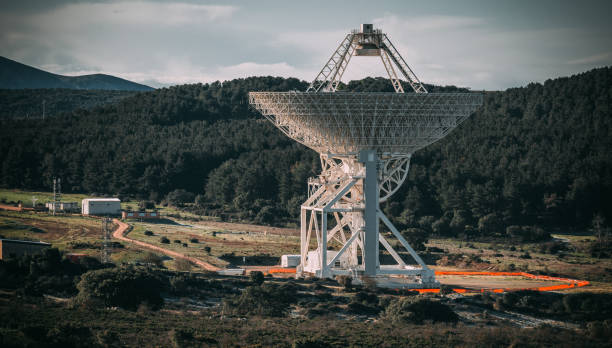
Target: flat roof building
(16, 248)
(101, 206)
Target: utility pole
(106, 235)
(57, 194)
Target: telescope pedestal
(348, 190)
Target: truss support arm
(399, 236)
(401, 64)
(329, 77)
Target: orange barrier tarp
(282, 270)
(571, 283)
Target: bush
(194, 240)
(264, 300)
(441, 227)
(345, 281)
(490, 224)
(164, 240)
(527, 234)
(416, 237)
(179, 197)
(256, 277)
(148, 233)
(182, 265)
(446, 290)
(416, 310)
(125, 287)
(207, 249)
(153, 259)
(177, 241)
(553, 247)
(144, 205)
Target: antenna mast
(106, 236)
(57, 193)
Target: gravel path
(121, 232)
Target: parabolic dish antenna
(365, 141)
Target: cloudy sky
(478, 44)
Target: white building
(63, 206)
(101, 206)
(290, 260)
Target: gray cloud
(475, 43)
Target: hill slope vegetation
(536, 155)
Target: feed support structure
(365, 141)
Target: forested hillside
(30, 103)
(537, 155)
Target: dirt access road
(123, 228)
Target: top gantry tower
(365, 42)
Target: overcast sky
(478, 44)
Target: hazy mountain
(14, 75)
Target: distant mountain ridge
(15, 75)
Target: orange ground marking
(571, 283)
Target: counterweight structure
(365, 141)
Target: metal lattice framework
(365, 141)
(345, 123)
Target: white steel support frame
(349, 192)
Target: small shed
(101, 206)
(16, 248)
(290, 260)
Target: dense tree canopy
(537, 155)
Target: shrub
(526, 255)
(489, 224)
(179, 197)
(164, 240)
(125, 287)
(143, 205)
(360, 308)
(148, 233)
(256, 277)
(264, 300)
(345, 281)
(207, 249)
(153, 258)
(527, 234)
(441, 227)
(194, 240)
(416, 237)
(177, 241)
(446, 289)
(553, 247)
(417, 310)
(182, 265)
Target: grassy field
(69, 233)
(73, 233)
(43, 197)
(14, 196)
(220, 242)
(573, 262)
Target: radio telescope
(365, 141)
